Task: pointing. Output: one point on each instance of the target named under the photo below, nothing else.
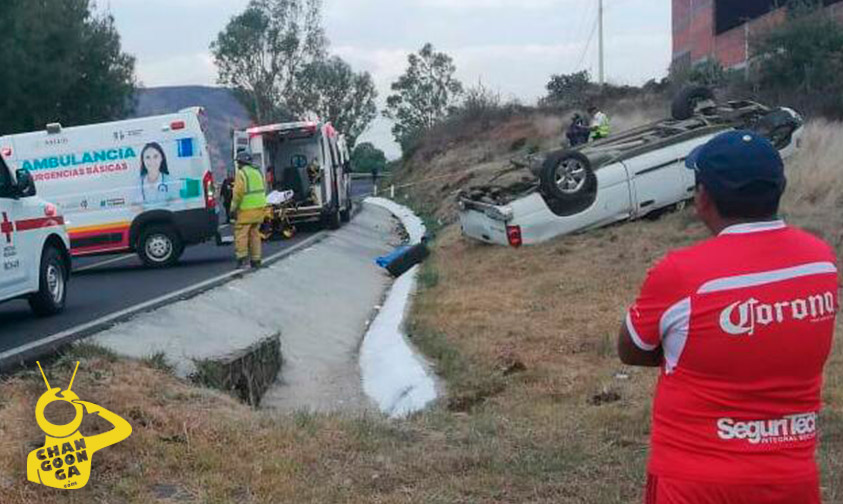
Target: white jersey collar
(753, 227)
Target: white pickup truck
(630, 175)
(34, 246)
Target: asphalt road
(102, 286)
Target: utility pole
(602, 58)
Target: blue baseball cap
(739, 164)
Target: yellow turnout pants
(247, 241)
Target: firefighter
(599, 123)
(248, 208)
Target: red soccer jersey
(746, 323)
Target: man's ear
(702, 200)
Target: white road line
(139, 308)
(103, 263)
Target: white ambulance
(142, 185)
(309, 158)
(34, 247)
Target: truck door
(13, 265)
(658, 180)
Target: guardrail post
(392, 191)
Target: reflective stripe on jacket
(254, 192)
(600, 126)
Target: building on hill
(721, 29)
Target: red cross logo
(7, 228)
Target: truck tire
(685, 103)
(777, 126)
(160, 246)
(345, 215)
(567, 176)
(331, 219)
(52, 284)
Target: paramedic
(741, 326)
(599, 123)
(248, 210)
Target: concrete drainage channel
(320, 299)
(246, 374)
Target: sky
(510, 46)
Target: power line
(588, 43)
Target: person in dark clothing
(374, 175)
(226, 193)
(578, 132)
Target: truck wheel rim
(55, 282)
(159, 248)
(570, 176)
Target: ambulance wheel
(333, 220)
(345, 215)
(52, 290)
(160, 246)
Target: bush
(367, 158)
(801, 61)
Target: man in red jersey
(741, 326)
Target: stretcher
(277, 223)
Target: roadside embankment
(318, 299)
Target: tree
(335, 93)
(424, 95)
(62, 63)
(263, 51)
(801, 61)
(367, 158)
(568, 89)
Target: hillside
(473, 151)
(225, 114)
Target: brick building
(721, 29)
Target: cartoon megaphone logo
(64, 461)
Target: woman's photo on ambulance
(154, 176)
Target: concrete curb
(394, 376)
(20, 356)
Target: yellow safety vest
(602, 128)
(255, 196)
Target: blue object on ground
(385, 261)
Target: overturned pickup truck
(624, 177)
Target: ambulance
(309, 158)
(34, 246)
(142, 185)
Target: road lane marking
(103, 263)
(152, 304)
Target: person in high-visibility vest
(599, 123)
(248, 207)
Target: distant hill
(225, 114)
